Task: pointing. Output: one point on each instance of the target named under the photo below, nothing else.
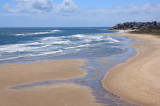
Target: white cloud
(38, 6)
(28, 6)
(121, 14)
(68, 6)
(145, 9)
(10, 9)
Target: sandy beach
(137, 79)
(67, 94)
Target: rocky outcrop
(135, 25)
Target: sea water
(38, 44)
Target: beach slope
(138, 78)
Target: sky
(76, 13)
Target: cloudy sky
(76, 13)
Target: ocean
(102, 52)
(38, 44)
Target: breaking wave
(38, 33)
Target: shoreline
(137, 79)
(46, 71)
(40, 77)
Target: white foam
(93, 38)
(71, 47)
(112, 39)
(97, 37)
(54, 40)
(86, 45)
(80, 36)
(47, 53)
(37, 33)
(121, 31)
(61, 42)
(55, 30)
(88, 38)
(31, 55)
(49, 38)
(77, 50)
(34, 46)
(14, 57)
(18, 48)
(29, 44)
(79, 46)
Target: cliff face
(135, 25)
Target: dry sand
(52, 95)
(138, 78)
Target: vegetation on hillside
(149, 30)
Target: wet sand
(138, 78)
(67, 94)
(54, 95)
(18, 74)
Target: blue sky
(76, 13)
